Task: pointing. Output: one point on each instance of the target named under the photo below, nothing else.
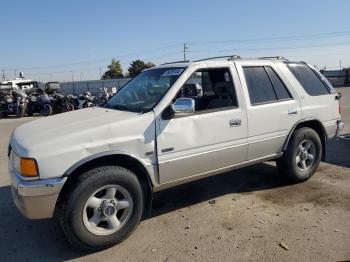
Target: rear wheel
(303, 155)
(46, 110)
(70, 107)
(102, 208)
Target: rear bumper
(334, 128)
(340, 127)
(36, 199)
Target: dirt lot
(241, 215)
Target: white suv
(96, 169)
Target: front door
(209, 140)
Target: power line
(281, 38)
(98, 68)
(102, 59)
(270, 48)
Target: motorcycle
(21, 102)
(103, 97)
(72, 99)
(60, 103)
(39, 102)
(13, 102)
(8, 104)
(86, 100)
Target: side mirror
(184, 105)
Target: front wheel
(302, 157)
(103, 208)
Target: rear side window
(259, 85)
(311, 83)
(264, 85)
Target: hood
(80, 128)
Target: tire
(73, 210)
(70, 107)
(302, 157)
(46, 110)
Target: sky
(65, 40)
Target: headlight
(26, 167)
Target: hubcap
(107, 210)
(305, 156)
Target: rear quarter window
(309, 80)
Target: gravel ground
(248, 214)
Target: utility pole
(185, 49)
(100, 73)
(340, 64)
(3, 75)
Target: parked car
(95, 169)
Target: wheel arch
(116, 158)
(314, 124)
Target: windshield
(143, 92)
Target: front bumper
(35, 199)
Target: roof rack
(273, 57)
(229, 58)
(176, 62)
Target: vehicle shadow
(338, 152)
(30, 240)
(246, 180)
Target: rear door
(273, 107)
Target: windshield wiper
(120, 107)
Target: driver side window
(211, 89)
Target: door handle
(292, 111)
(235, 122)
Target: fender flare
(92, 157)
(325, 138)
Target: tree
(137, 66)
(114, 70)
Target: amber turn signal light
(28, 167)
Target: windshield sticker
(173, 72)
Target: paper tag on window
(173, 72)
